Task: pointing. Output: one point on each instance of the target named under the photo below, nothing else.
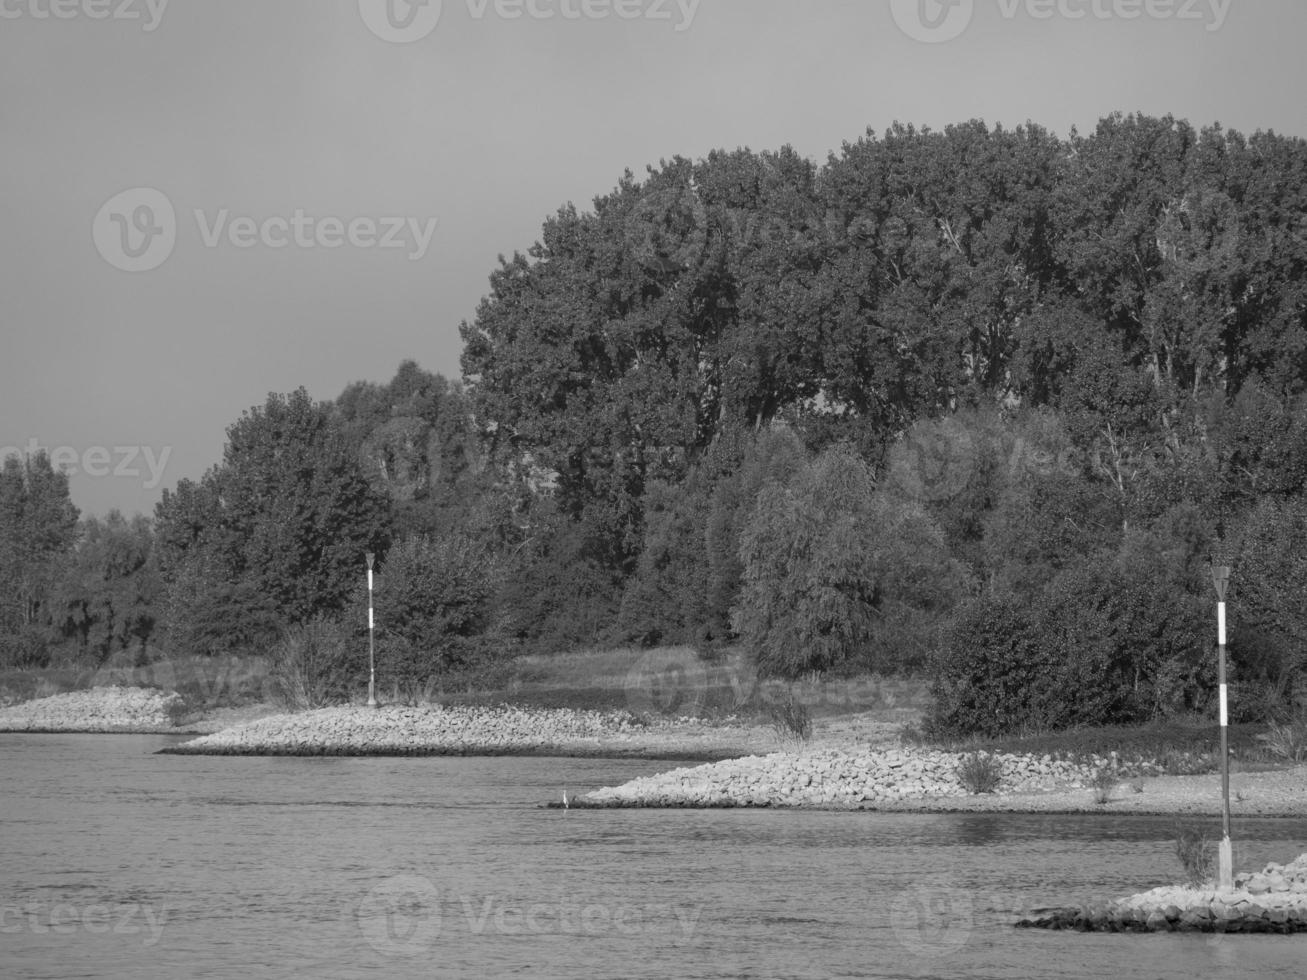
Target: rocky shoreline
(101, 710)
(834, 778)
(916, 780)
(464, 730)
(1273, 900)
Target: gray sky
(290, 125)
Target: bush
(790, 718)
(1105, 643)
(1287, 741)
(1103, 782)
(315, 664)
(1195, 853)
(979, 773)
(838, 574)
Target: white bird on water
(565, 798)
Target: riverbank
(108, 710)
(470, 730)
(1273, 900)
(916, 780)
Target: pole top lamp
(1220, 576)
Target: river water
(116, 862)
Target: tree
(833, 569)
(280, 526)
(108, 589)
(38, 525)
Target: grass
(1194, 850)
(1287, 741)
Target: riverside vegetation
(972, 406)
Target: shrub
(1195, 853)
(979, 773)
(1103, 782)
(1100, 645)
(315, 664)
(1287, 741)
(790, 718)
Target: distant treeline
(978, 403)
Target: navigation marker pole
(1221, 578)
(371, 650)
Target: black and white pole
(372, 656)
(1221, 578)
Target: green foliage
(317, 663)
(790, 718)
(1194, 850)
(434, 609)
(1108, 641)
(38, 525)
(979, 773)
(1287, 741)
(106, 596)
(1103, 781)
(809, 600)
(282, 524)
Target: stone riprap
(1271, 900)
(455, 730)
(97, 709)
(833, 778)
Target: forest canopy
(976, 404)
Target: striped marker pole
(371, 650)
(1221, 578)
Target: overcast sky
(207, 200)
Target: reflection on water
(119, 862)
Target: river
(117, 862)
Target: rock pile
(832, 778)
(99, 709)
(1271, 900)
(426, 730)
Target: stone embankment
(1271, 900)
(833, 778)
(458, 730)
(99, 709)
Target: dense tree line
(978, 403)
